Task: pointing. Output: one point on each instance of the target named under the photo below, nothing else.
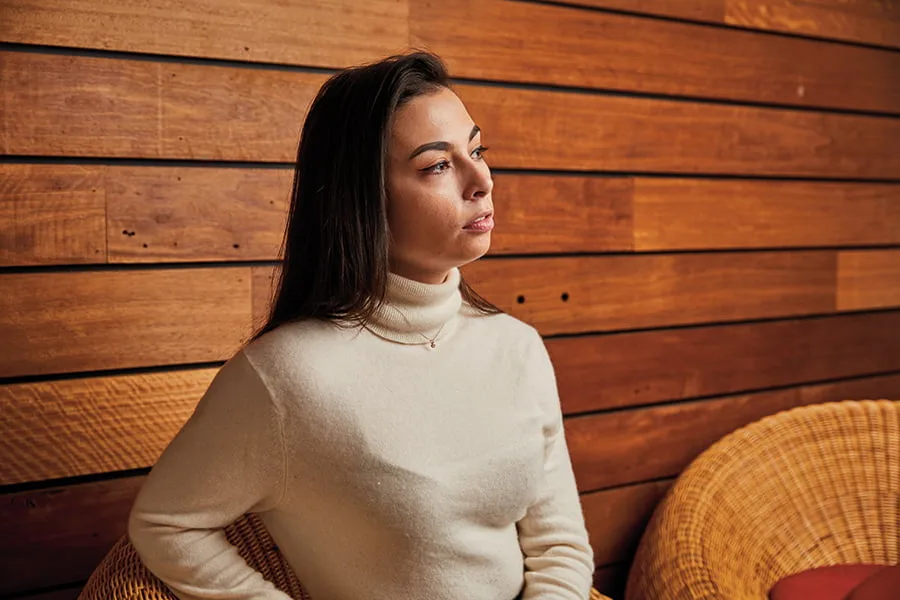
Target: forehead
(439, 116)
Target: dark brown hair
(335, 250)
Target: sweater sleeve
(228, 459)
(559, 561)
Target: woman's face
(438, 188)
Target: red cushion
(883, 585)
(823, 583)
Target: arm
(228, 459)
(559, 561)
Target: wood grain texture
(577, 131)
(867, 21)
(616, 519)
(221, 213)
(699, 10)
(91, 320)
(868, 279)
(177, 214)
(622, 447)
(84, 106)
(627, 369)
(58, 536)
(333, 33)
(682, 214)
(596, 293)
(145, 109)
(263, 293)
(561, 45)
(91, 425)
(52, 214)
(544, 213)
(170, 214)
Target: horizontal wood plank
(622, 447)
(597, 293)
(626, 369)
(616, 519)
(560, 213)
(683, 214)
(82, 321)
(326, 34)
(52, 214)
(90, 320)
(58, 536)
(92, 425)
(867, 21)
(168, 214)
(698, 10)
(145, 109)
(576, 131)
(570, 46)
(868, 279)
(177, 214)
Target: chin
(474, 251)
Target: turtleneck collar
(414, 312)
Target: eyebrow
(441, 145)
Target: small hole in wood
(521, 299)
(145, 245)
(236, 246)
(565, 297)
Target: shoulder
(506, 331)
(296, 350)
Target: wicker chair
(122, 576)
(812, 486)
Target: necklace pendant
(432, 344)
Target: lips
(479, 219)
(483, 223)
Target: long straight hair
(335, 251)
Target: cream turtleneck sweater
(383, 468)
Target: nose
(480, 183)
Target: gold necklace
(429, 340)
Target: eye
(478, 153)
(438, 168)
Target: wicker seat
(122, 575)
(812, 486)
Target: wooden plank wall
(698, 206)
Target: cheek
(422, 209)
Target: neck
(421, 275)
(416, 312)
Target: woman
(399, 436)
